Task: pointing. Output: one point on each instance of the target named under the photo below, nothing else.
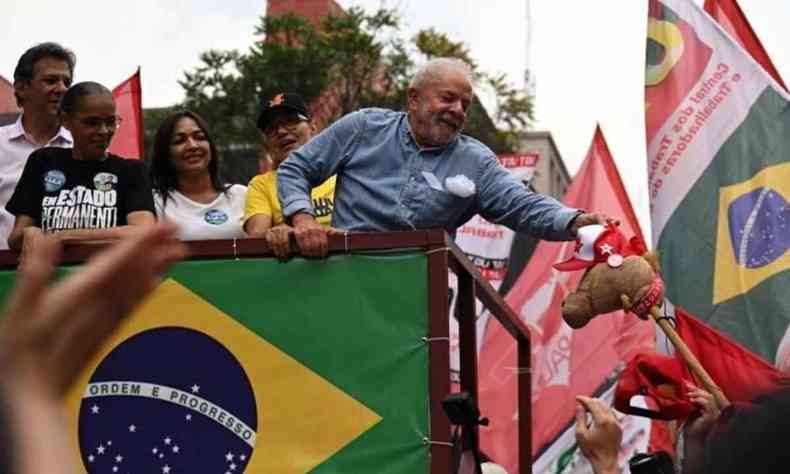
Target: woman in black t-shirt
(83, 194)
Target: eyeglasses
(96, 122)
(288, 121)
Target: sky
(587, 57)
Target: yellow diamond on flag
(302, 419)
(751, 241)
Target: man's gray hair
(432, 70)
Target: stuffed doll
(620, 274)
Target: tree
(359, 56)
(228, 86)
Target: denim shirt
(386, 182)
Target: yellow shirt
(262, 199)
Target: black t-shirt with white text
(62, 193)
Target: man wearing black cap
(285, 125)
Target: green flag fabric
(718, 133)
(253, 365)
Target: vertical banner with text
(718, 132)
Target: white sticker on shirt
(433, 181)
(216, 217)
(105, 181)
(54, 180)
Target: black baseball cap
(281, 101)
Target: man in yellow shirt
(285, 125)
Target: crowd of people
(371, 170)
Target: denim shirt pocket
(442, 209)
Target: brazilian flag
(719, 177)
(252, 365)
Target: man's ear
(66, 121)
(19, 90)
(264, 142)
(413, 98)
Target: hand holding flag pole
(691, 360)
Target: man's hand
(699, 426)
(30, 236)
(601, 441)
(48, 333)
(310, 236)
(590, 218)
(279, 239)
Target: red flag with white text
(565, 363)
(128, 139)
(729, 15)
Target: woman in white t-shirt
(186, 183)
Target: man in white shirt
(42, 76)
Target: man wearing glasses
(285, 125)
(41, 77)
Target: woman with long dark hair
(186, 182)
(82, 194)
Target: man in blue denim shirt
(405, 171)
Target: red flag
(741, 374)
(128, 139)
(730, 16)
(565, 363)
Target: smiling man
(285, 125)
(415, 170)
(42, 76)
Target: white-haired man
(414, 170)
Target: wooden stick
(690, 358)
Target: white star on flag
(155, 450)
(243, 457)
(168, 440)
(119, 459)
(166, 469)
(606, 249)
(229, 457)
(115, 469)
(90, 458)
(195, 388)
(232, 467)
(100, 449)
(189, 416)
(132, 428)
(176, 449)
(95, 409)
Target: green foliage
(228, 87)
(359, 55)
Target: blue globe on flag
(168, 400)
(759, 227)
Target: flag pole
(140, 116)
(689, 357)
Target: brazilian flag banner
(252, 365)
(718, 136)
